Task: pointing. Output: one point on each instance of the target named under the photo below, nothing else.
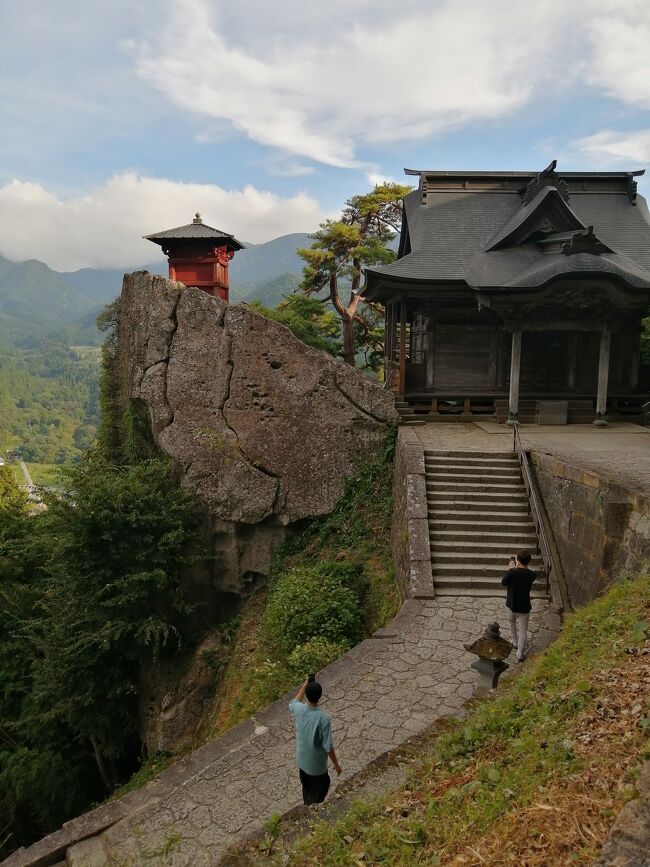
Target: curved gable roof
(449, 228)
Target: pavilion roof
(488, 229)
(195, 231)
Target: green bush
(314, 655)
(315, 601)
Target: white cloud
(612, 147)
(104, 227)
(317, 80)
(293, 170)
(321, 80)
(620, 58)
(375, 179)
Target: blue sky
(121, 118)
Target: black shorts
(314, 788)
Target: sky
(120, 118)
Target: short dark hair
(524, 557)
(313, 691)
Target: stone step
(447, 504)
(474, 580)
(481, 514)
(495, 591)
(482, 499)
(444, 540)
(508, 480)
(481, 458)
(462, 489)
(485, 483)
(456, 569)
(473, 472)
(484, 557)
(511, 527)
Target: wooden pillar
(515, 367)
(635, 361)
(572, 369)
(603, 377)
(402, 345)
(431, 349)
(387, 339)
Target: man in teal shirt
(313, 743)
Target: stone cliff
(264, 429)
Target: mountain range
(37, 302)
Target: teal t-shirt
(313, 737)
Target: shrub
(314, 655)
(315, 601)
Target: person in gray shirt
(314, 743)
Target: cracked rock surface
(266, 430)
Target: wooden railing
(535, 509)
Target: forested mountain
(36, 300)
(260, 263)
(48, 385)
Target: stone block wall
(410, 524)
(601, 528)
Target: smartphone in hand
(311, 677)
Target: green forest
(89, 589)
(48, 401)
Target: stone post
(603, 378)
(515, 365)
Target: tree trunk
(348, 340)
(103, 769)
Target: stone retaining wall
(410, 525)
(629, 840)
(601, 528)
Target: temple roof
(495, 229)
(195, 231)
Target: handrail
(535, 510)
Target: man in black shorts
(314, 744)
(519, 579)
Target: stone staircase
(478, 518)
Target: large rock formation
(264, 429)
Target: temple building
(198, 255)
(516, 293)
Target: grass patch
(150, 769)
(341, 566)
(44, 474)
(534, 775)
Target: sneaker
(521, 658)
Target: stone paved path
(379, 694)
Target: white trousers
(519, 631)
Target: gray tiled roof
(452, 228)
(525, 267)
(194, 231)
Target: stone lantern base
(490, 671)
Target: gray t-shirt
(313, 737)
